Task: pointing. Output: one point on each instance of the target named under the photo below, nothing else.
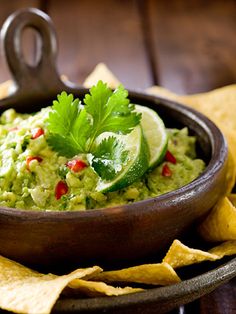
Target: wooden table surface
(186, 46)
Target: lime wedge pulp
(137, 164)
(155, 133)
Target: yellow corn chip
(162, 92)
(224, 249)
(23, 290)
(96, 289)
(231, 139)
(101, 72)
(219, 105)
(154, 274)
(231, 172)
(180, 255)
(5, 88)
(220, 224)
(232, 198)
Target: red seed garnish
(61, 189)
(36, 133)
(76, 165)
(30, 158)
(166, 172)
(169, 157)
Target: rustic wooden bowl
(121, 233)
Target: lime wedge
(137, 164)
(155, 133)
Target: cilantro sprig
(109, 157)
(74, 127)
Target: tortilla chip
(219, 105)
(23, 290)
(98, 289)
(180, 255)
(231, 172)
(162, 92)
(231, 139)
(220, 224)
(101, 72)
(232, 198)
(6, 88)
(225, 249)
(153, 274)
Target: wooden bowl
(122, 233)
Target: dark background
(186, 46)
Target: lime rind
(147, 146)
(138, 163)
(155, 133)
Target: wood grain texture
(194, 43)
(29, 38)
(101, 31)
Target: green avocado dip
(34, 175)
(30, 170)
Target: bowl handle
(38, 81)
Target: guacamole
(33, 176)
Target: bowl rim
(219, 148)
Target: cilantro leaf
(69, 126)
(81, 129)
(64, 112)
(108, 158)
(111, 112)
(65, 146)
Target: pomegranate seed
(61, 189)
(166, 172)
(36, 133)
(30, 158)
(76, 165)
(169, 157)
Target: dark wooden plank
(194, 43)
(7, 8)
(220, 301)
(108, 31)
